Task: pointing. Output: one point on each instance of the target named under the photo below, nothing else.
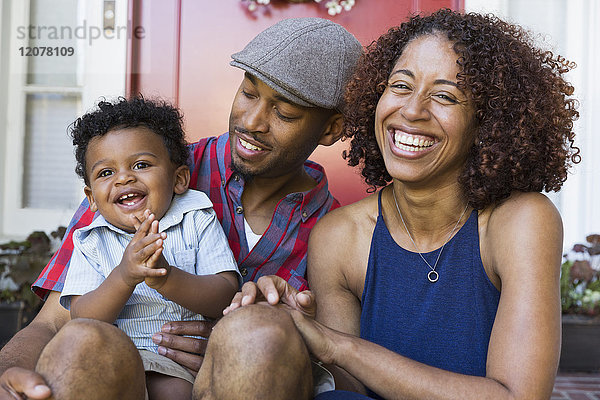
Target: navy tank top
(446, 324)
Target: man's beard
(246, 175)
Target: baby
(156, 252)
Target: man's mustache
(252, 135)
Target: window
(59, 61)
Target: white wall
(571, 28)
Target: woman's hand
(186, 351)
(319, 339)
(273, 290)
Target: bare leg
(164, 387)
(255, 353)
(89, 359)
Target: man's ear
(182, 179)
(333, 130)
(88, 193)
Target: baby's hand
(157, 261)
(145, 246)
(156, 282)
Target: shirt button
(222, 182)
(237, 178)
(304, 214)
(239, 209)
(244, 271)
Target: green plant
(20, 265)
(580, 278)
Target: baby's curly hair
(524, 139)
(157, 115)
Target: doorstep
(576, 386)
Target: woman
(445, 283)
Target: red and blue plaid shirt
(280, 251)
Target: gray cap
(306, 60)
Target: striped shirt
(280, 251)
(195, 243)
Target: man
(267, 197)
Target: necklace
(432, 275)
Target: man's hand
(19, 383)
(273, 290)
(186, 351)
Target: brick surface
(577, 386)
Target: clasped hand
(143, 259)
(274, 291)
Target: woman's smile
(410, 142)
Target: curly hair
(524, 139)
(157, 115)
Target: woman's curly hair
(157, 115)
(524, 139)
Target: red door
(186, 46)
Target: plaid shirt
(280, 251)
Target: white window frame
(102, 74)
(3, 89)
(578, 199)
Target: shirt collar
(181, 204)
(226, 145)
(312, 200)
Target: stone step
(576, 386)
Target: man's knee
(82, 333)
(93, 357)
(259, 349)
(87, 341)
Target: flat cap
(306, 60)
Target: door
(186, 50)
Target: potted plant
(20, 265)
(580, 301)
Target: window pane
(53, 24)
(49, 163)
